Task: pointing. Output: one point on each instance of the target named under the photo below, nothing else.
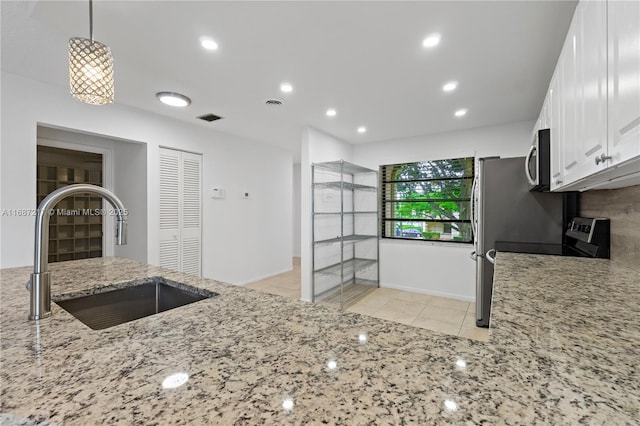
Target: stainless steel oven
(537, 163)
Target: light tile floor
(435, 313)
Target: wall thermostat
(217, 193)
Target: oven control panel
(589, 235)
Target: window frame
(386, 185)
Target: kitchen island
(563, 349)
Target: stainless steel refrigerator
(507, 215)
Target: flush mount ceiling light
(208, 43)
(90, 68)
(362, 129)
(331, 112)
(460, 112)
(431, 40)
(450, 86)
(173, 99)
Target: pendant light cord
(91, 20)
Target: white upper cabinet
(584, 92)
(569, 88)
(593, 102)
(554, 113)
(624, 80)
(591, 114)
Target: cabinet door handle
(602, 158)
(558, 182)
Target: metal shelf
(347, 239)
(343, 282)
(348, 267)
(346, 185)
(339, 213)
(350, 292)
(342, 166)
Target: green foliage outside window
(428, 200)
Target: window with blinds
(427, 200)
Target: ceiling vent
(209, 117)
(274, 102)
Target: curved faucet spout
(40, 284)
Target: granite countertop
(563, 349)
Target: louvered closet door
(190, 213)
(180, 211)
(170, 209)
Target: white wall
(243, 240)
(130, 183)
(316, 147)
(436, 268)
(296, 209)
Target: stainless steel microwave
(537, 163)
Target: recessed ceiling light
(461, 112)
(362, 129)
(431, 40)
(286, 88)
(331, 112)
(208, 43)
(173, 99)
(448, 87)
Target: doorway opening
(75, 229)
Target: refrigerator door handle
(527, 159)
(479, 237)
(474, 224)
(491, 256)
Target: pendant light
(90, 68)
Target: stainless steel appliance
(588, 237)
(505, 211)
(537, 163)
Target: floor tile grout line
(462, 323)
(289, 281)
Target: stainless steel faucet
(40, 283)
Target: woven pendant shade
(90, 71)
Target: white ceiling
(365, 59)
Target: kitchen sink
(131, 301)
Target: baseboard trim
(429, 292)
(253, 280)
